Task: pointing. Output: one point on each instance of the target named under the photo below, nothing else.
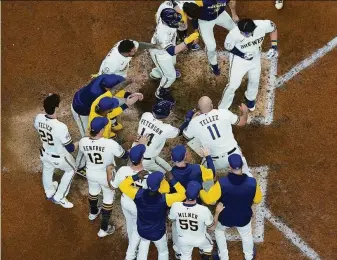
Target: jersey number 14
(150, 136)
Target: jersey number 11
(216, 131)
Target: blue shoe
(194, 47)
(178, 74)
(250, 104)
(215, 69)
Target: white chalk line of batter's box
(306, 62)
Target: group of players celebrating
(149, 184)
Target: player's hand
(249, 56)
(141, 174)
(139, 95)
(219, 208)
(131, 100)
(191, 38)
(243, 108)
(204, 151)
(168, 176)
(272, 53)
(76, 145)
(144, 139)
(235, 18)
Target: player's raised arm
(212, 195)
(126, 185)
(218, 210)
(175, 197)
(232, 6)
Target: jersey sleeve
(268, 25)
(230, 42)
(118, 178)
(211, 196)
(116, 149)
(207, 174)
(172, 215)
(176, 197)
(189, 131)
(64, 135)
(258, 194)
(127, 188)
(209, 220)
(171, 131)
(110, 65)
(228, 115)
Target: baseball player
(99, 152)
(158, 132)
(244, 43)
(151, 211)
(205, 15)
(118, 59)
(168, 21)
(237, 192)
(191, 220)
(55, 152)
(86, 95)
(213, 128)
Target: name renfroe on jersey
(90, 148)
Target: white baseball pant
(165, 67)
(50, 162)
(186, 246)
(97, 182)
(246, 236)
(82, 123)
(207, 34)
(221, 161)
(156, 164)
(238, 68)
(161, 244)
(130, 213)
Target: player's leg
(81, 121)
(128, 216)
(169, 74)
(94, 191)
(186, 252)
(254, 74)
(47, 176)
(247, 240)
(220, 239)
(67, 164)
(206, 247)
(152, 165)
(224, 20)
(238, 68)
(207, 34)
(175, 240)
(163, 164)
(143, 249)
(156, 72)
(108, 198)
(161, 244)
(133, 246)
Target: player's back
(157, 132)
(53, 134)
(99, 153)
(191, 221)
(214, 130)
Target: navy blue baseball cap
(192, 190)
(98, 123)
(136, 153)
(107, 103)
(178, 153)
(235, 161)
(153, 180)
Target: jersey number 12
(96, 158)
(216, 131)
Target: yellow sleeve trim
(258, 194)
(212, 195)
(176, 197)
(207, 174)
(199, 3)
(126, 187)
(120, 94)
(164, 187)
(115, 112)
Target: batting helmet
(246, 25)
(170, 17)
(162, 108)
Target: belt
(147, 158)
(230, 152)
(52, 155)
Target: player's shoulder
(147, 115)
(40, 117)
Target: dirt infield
(55, 46)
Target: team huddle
(154, 190)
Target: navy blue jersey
(211, 9)
(191, 172)
(86, 95)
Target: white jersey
(116, 63)
(53, 134)
(164, 36)
(125, 172)
(99, 153)
(250, 44)
(214, 130)
(157, 131)
(191, 221)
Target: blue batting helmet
(170, 17)
(162, 109)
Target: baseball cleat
(94, 216)
(215, 69)
(178, 74)
(109, 231)
(162, 92)
(55, 184)
(194, 47)
(153, 77)
(82, 171)
(250, 104)
(279, 4)
(177, 256)
(64, 203)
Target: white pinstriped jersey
(54, 134)
(191, 221)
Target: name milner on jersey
(187, 215)
(209, 120)
(45, 126)
(151, 126)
